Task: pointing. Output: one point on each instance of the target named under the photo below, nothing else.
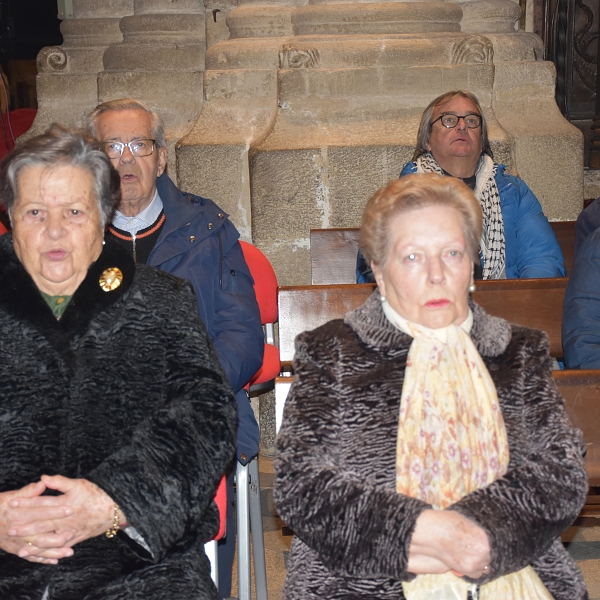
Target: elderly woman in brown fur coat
(425, 452)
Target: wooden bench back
(536, 303)
(581, 391)
(302, 308)
(333, 252)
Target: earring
(472, 288)
(382, 298)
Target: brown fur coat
(335, 468)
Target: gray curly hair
(60, 146)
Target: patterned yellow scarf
(451, 442)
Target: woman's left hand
(445, 537)
(93, 512)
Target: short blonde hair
(412, 192)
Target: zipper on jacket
(220, 260)
(134, 253)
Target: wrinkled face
(428, 270)
(459, 142)
(57, 229)
(138, 174)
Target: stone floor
(583, 543)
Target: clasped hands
(44, 529)
(445, 540)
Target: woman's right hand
(50, 546)
(445, 540)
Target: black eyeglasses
(450, 121)
(139, 148)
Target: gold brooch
(111, 279)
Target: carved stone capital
(51, 59)
(292, 57)
(473, 49)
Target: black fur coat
(336, 454)
(125, 391)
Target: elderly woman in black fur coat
(425, 452)
(116, 420)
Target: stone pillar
(66, 81)
(489, 16)
(310, 106)
(160, 61)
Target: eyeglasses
(450, 121)
(139, 148)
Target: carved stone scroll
(292, 57)
(473, 49)
(51, 59)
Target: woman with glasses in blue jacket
(517, 240)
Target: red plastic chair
(249, 513)
(210, 548)
(265, 288)
(21, 120)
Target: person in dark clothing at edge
(517, 240)
(587, 222)
(191, 237)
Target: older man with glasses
(517, 241)
(192, 238)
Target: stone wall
(290, 113)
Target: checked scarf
(492, 249)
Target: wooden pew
(581, 391)
(333, 252)
(536, 303)
(302, 308)
(565, 234)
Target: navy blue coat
(581, 314)
(587, 221)
(199, 243)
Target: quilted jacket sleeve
(236, 331)
(531, 246)
(357, 527)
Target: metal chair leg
(243, 532)
(210, 548)
(258, 542)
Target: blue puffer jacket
(532, 249)
(581, 313)
(200, 244)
